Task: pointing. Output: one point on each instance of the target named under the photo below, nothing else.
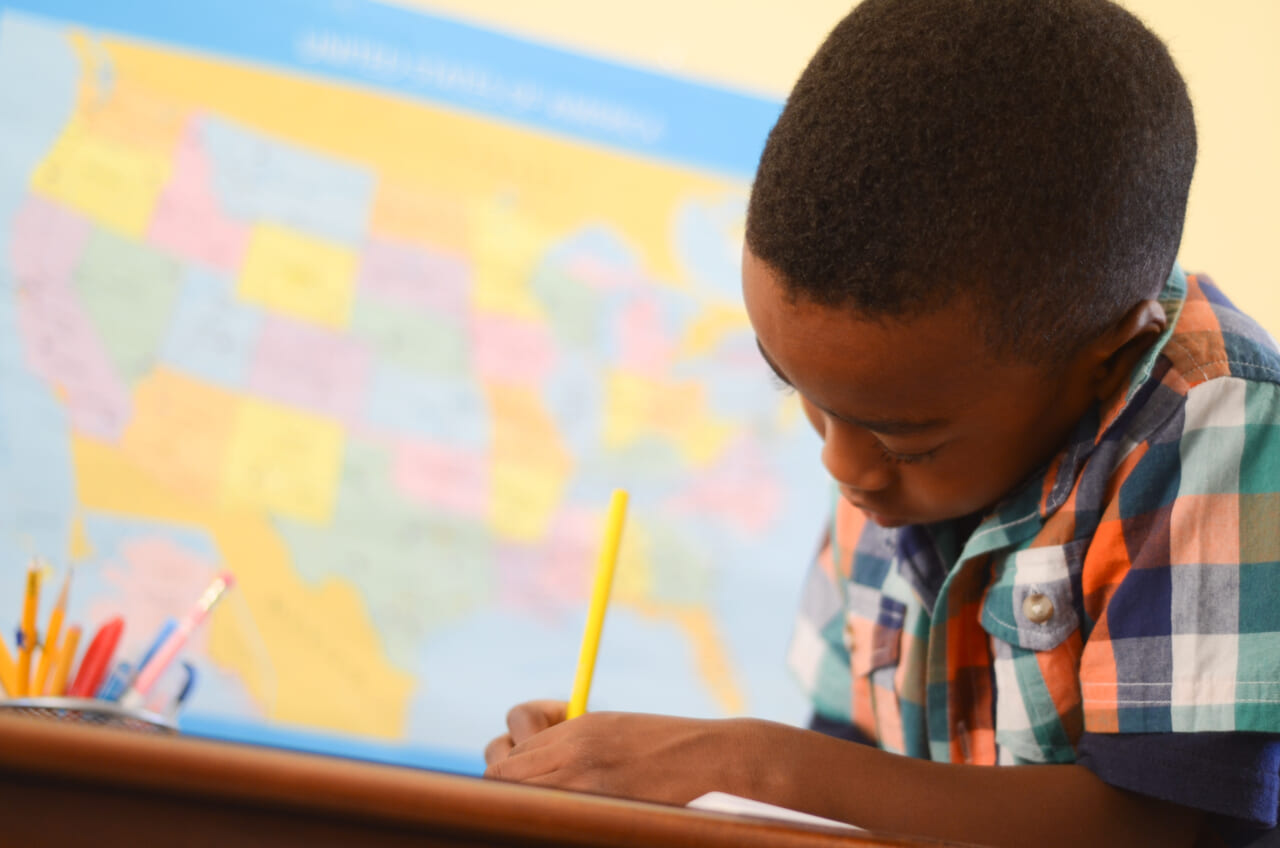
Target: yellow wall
(1225, 50)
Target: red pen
(97, 659)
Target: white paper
(723, 802)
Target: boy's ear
(1112, 356)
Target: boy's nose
(854, 458)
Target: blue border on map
(425, 56)
(222, 728)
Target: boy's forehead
(777, 315)
(915, 366)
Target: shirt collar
(1172, 298)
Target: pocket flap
(1031, 600)
(873, 636)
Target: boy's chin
(881, 518)
(891, 520)
(887, 521)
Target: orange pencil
(8, 671)
(49, 649)
(29, 607)
(66, 659)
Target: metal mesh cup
(89, 711)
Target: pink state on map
(59, 341)
(156, 580)
(48, 240)
(604, 276)
(511, 350)
(187, 218)
(643, 344)
(435, 281)
(451, 478)
(740, 490)
(554, 576)
(304, 365)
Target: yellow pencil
(599, 601)
(50, 646)
(66, 659)
(8, 671)
(28, 645)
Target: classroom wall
(1225, 50)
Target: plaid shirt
(1132, 587)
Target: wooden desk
(75, 785)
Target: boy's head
(1032, 154)
(967, 197)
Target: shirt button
(1037, 608)
(848, 636)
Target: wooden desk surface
(70, 785)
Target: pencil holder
(89, 711)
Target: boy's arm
(673, 760)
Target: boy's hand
(523, 721)
(648, 757)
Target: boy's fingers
(526, 765)
(498, 749)
(533, 717)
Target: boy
(1056, 541)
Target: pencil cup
(89, 711)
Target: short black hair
(1034, 154)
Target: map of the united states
(384, 361)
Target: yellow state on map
(531, 465)
(714, 664)
(710, 328)
(137, 119)
(508, 246)
(636, 407)
(115, 184)
(179, 433)
(628, 408)
(283, 461)
(419, 214)
(308, 654)
(298, 275)
(316, 659)
(114, 109)
(702, 440)
(79, 546)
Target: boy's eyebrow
(887, 426)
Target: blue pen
(117, 682)
(166, 630)
(122, 675)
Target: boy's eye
(905, 458)
(779, 383)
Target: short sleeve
(1181, 581)
(1232, 775)
(839, 730)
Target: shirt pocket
(873, 638)
(1030, 613)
